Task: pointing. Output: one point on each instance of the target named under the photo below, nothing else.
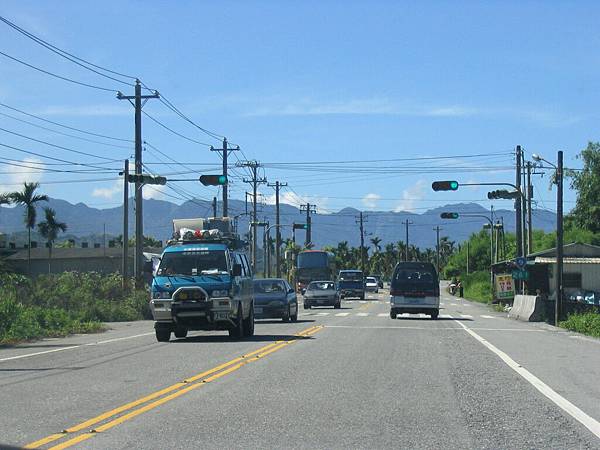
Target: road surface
(349, 378)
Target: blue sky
(314, 81)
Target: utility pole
(214, 207)
(437, 247)
(278, 185)
(125, 265)
(361, 220)
(518, 213)
(467, 257)
(225, 150)
(559, 238)
(138, 103)
(255, 181)
(530, 248)
(407, 223)
(308, 208)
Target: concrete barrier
(528, 308)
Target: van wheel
(237, 332)
(180, 332)
(362, 297)
(163, 333)
(249, 323)
(435, 315)
(307, 306)
(392, 315)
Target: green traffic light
(454, 185)
(222, 179)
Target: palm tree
(376, 243)
(50, 229)
(28, 198)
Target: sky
(305, 82)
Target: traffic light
(300, 226)
(502, 194)
(444, 185)
(146, 179)
(213, 180)
(449, 215)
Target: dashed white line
(382, 315)
(362, 314)
(466, 316)
(587, 421)
(322, 314)
(453, 304)
(486, 317)
(342, 314)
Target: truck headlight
(160, 294)
(220, 293)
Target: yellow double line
(159, 397)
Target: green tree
(586, 182)
(376, 243)
(49, 229)
(28, 198)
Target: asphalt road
(335, 379)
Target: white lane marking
(322, 314)
(486, 317)
(446, 316)
(587, 421)
(382, 315)
(362, 301)
(400, 327)
(453, 304)
(442, 303)
(362, 314)
(342, 314)
(54, 350)
(466, 316)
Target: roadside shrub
(585, 323)
(477, 286)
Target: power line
(65, 126)
(173, 131)
(60, 77)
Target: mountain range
(92, 224)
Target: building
(103, 260)
(581, 270)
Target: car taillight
(395, 293)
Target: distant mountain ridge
(328, 229)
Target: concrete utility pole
(361, 219)
(139, 220)
(518, 202)
(225, 150)
(467, 257)
(255, 181)
(437, 247)
(125, 265)
(407, 223)
(214, 206)
(559, 238)
(308, 208)
(278, 185)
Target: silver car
(322, 293)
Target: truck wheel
(338, 305)
(163, 333)
(180, 332)
(249, 323)
(237, 332)
(362, 296)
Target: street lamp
(559, 231)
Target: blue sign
(521, 262)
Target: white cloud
(17, 175)
(109, 192)
(370, 200)
(291, 198)
(411, 195)
(154, 191)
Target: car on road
(322, 293)
(371, 285)
(351, 283)
(379, 279)
(415, 289)
(203, 282)
(274, 298)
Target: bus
(313, 265)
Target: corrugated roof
(567, 260)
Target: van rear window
(419, 276)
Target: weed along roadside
(66, 303)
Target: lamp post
(559, 231)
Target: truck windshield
(193, 263)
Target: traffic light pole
(139, 218)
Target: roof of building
(574, 249)
(567, 260)
(77, 252)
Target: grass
(63, 304)
(585, 323)
(477, 287)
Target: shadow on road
(269, 321)
(41, 369)
(460, 319)
(255, 338)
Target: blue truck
(351, 283)
(203, 282)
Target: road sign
(520, 274)
(521, 262)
